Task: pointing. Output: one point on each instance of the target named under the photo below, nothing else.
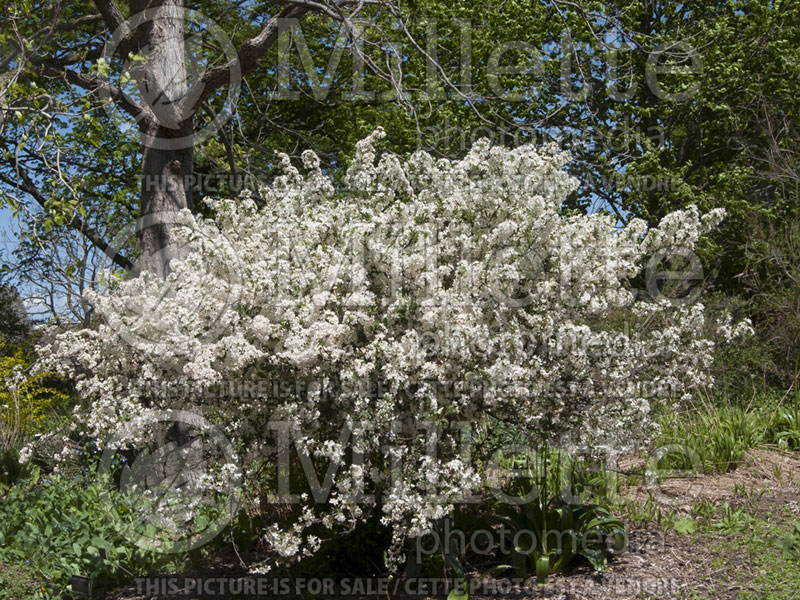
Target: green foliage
(459, 592)
(548, 526)
(719, 128)
(10, 468)
(717, 436)
(28, 405)
(17, 582)
(790, 543)
(443, 553)
(785, 429)
(646, 512)
(56, 526)
(769, 573)
(27, 402)
(685, 525)
(732, 519)
(562, 532)
(14, 325)
(771, 285)
(746, 368)
(713, 436)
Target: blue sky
(8, 227)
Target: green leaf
(542, 569)
(596, 559)
(620, 541)
(459, 592)
(100, 542)
(685, 525)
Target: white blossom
(425, 291)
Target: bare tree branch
(28, 186)
(93, 84)
(248, 55)
(112, 14)
(84, 20)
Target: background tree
(660, 104)
(14, 323)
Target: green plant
(459, 592)
(17, 582)
(648, 511)
(785, 428)
(773, 572)
(790, 543)
(732, 519)
(557, 534)
(57, 526)
(685, 525)
(770, 284)
(27, 400)
(638, 512)
(548, 526)
(10, 468)
(717, 435)
(703, 509)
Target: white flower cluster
(427, 294)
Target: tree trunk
(167, 153)
(167, 132)
(165, 174)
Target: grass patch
(719, 433)
(16, 583)
(773, 572)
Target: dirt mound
(761, 471)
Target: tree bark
(165, 174)
(167, 126)
(167, 132)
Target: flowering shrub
(380, 325)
